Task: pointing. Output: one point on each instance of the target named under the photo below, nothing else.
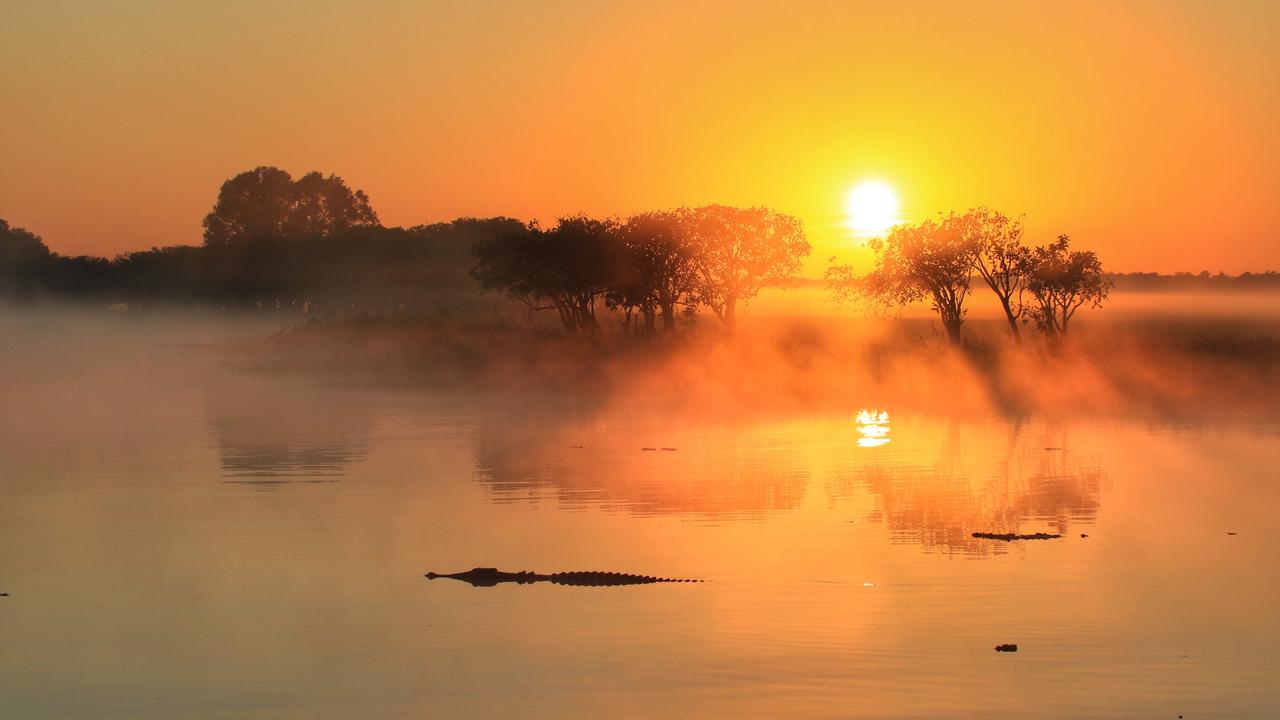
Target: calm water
(193, 544)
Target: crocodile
(1008, 537)
(488, 577)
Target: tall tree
(265, 204)
(930, 260)
(1061, 281)
(1000, 259)
(740, 250)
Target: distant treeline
(1185, 281)
(370, 268)
(270, 242)
(314, 245)
(1147, 281)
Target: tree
(1060, 282)
(566, 269)
(629, 294)
(930, 260)
(325, 205)
(169, 274)
(265, 204)
(586, 259)
(660, 267)
(1000, 259)
(25, 261)
(737, 251)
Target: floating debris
(1083, 535)
(1007, 537)
(648, 449)
(1007, 647)
(669, 449)
(1231, 533)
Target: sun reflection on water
(873, 425)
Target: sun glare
(872, 208)
(873, 426)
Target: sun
(872, 208)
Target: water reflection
(277, 434)
(940, 490)
(580, 462)
(939, 481)
(873, 426)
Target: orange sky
(1148, 131)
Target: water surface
(201, 544)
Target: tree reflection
(1036, 485)
(576, 464)
(269, 435)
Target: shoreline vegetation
(315, 247)
(647, 308)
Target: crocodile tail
(594, 578)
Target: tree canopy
(24, 260)
(738, 251)
(932, 259)
(1061, 281)
(566, 268)
(1000, 259)
(266, 204)
(715, 256)
(661, 266)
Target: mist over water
(193, 531)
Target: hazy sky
(1148, 131)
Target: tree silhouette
(1061, 281)
(1000, 259)
(25, 261)
(737, 251)
(251, 207)
(660, 267)
(325, 205)
(933, 259)
(265, 204)
(566, 269)
(172, 274)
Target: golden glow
(1064, 112)
(871, 208)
